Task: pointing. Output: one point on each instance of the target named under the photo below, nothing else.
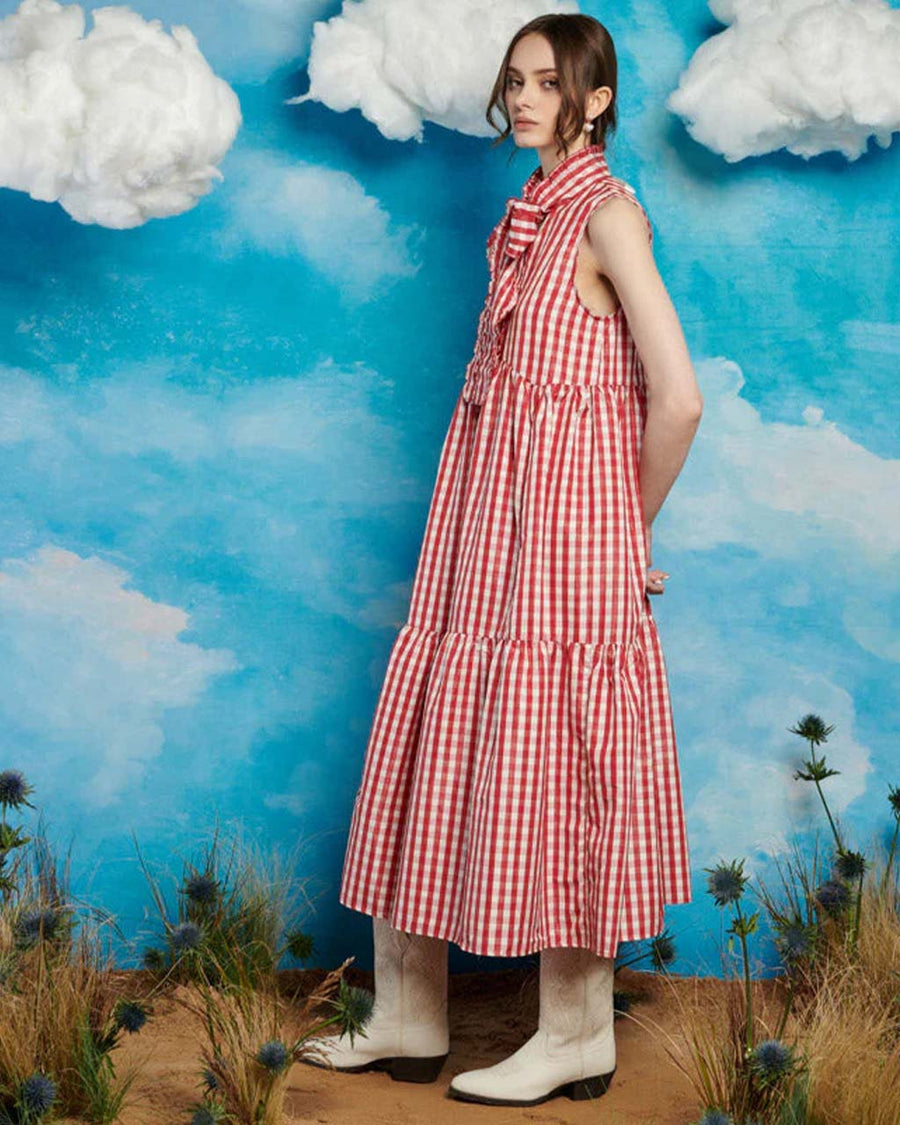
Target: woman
(521, 789)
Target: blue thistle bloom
(154, 959)
(38, 1093)
(187, 935)
(621, 1002)
(716, 1117)
(833, 896)
(131, 1016)
(663, 951)
(726, 882)
(850, 865)
(14, 789)
(202, 889)
(794, 941)
(31, 922)
(771, 1059)
(300, 945)
(359, 1003)
(894, 798)
(204, 1116)
(212, 1083)
(273, 1055)
(813, 728)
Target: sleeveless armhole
(624, 191)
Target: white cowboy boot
(573, 1051)
(407, 1033)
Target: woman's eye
(517, 82)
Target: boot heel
(405, 1068)
(592, 1087)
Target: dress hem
(522, 949)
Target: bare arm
(622, 252)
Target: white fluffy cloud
(810, 76)
(120, 125)
(90, 668)
(403, 62)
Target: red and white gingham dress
(521, 786)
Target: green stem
(747, 990)
(887, 870)
(828, 814)
(315, 1030)
(859, 888)
(787, 1007)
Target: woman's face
(532, 92)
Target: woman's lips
(524, 124)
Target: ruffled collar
(542, 194)
(569, 176)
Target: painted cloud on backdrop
(91, 668)
(810, 76)
(404, 62)
(120, 125)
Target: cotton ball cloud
(810, 76)
(402, 62)
(121, 125)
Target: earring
(588, 125)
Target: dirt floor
(491, 1014)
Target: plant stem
(890, 861)
(747, 990)
(825, 806)
(859, 888)
(787, 1007)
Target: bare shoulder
(618, 229)
(618, 216)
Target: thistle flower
(31, 923)
(662, 951)
(300, 945)
(812, 728)
(37, 1094)
(354, 1008)
(359, 1004)
(715, 1117)
(202, 889)
(794, 942)
(726, 882)
(14, 789)
(187, 935)
(621, 1001)
(131, 1016)
(894, 798)
(274, 1056)
(850, 865)
(204, 1116)
(209, 1078)
(833, 896)
(154, 959)
(771, 1059)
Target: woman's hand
(655, 577)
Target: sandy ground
(491, 1014)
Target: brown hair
(585, 58)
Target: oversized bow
(517, 232)
(578, 173)
(523, 220)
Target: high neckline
(567, 177)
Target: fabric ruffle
(520, 776)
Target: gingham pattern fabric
(521, 786)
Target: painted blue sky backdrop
(218, 439)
